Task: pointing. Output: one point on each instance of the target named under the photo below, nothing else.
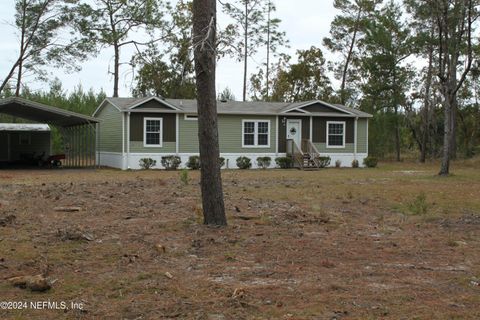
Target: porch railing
(295, 152)
(309, 148)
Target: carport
(78, 132)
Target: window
(152, 132)
(256, 134)
(25, 139)
(335, 134)
(192, 117)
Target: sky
(306, 23)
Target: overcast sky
(306, 23)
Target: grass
(375, 243)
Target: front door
(4, 146)
(294, 131)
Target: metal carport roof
(34, 111)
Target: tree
(386, 45)
(254, 19)
(455, 23)
(345, 31)
(226, 95)
(109, 23)
(204, 40)
(301, 81)
(421, 111)
(40, 24)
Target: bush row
(173, 162)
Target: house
(151, 127)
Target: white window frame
(255, 133)
(160, 145)
(191, 117)
(344, 134)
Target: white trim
(160, 145)
(367, 137)
(277, 130)
(128, 139)
(301, 129)
(123, 134)
(255, 133)
(177, 133)
(311, 129)
(328, 146)
(355, 139)
(187, 115)
(259, 114)
(320, 102)
(156, 99)
(102, 104)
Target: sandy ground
(329, 244)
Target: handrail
(310, 148)
(295, 152)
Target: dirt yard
(395, 242)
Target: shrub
(355, 163)
(284, 162)
(184, 176)
(244, 163)
(221, 162)
(171, 162)
(147, 163)
(419, 205)
(338, 163)
(264, 162)
(370, 162)
(193, 162)
(324, 161)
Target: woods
(413, 64)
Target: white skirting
(132, 161)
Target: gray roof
(38, 112)
(236, 107)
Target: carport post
(97, 146)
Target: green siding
(230, 134)
(322, 148)
(110, 129)
(137, 147)
(188, 135)
(362, 146)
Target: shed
(78, 132)
(19, 141)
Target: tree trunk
(445, 166)
(397, 135)
(9, 76)
(349, 57)
(245, 53)
(116, 69)
(426, 104)
(19, 79)
(204, 35)
(453, 130)
(267, 74)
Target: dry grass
(332, 244)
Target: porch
(305, 156)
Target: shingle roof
(233, 107)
